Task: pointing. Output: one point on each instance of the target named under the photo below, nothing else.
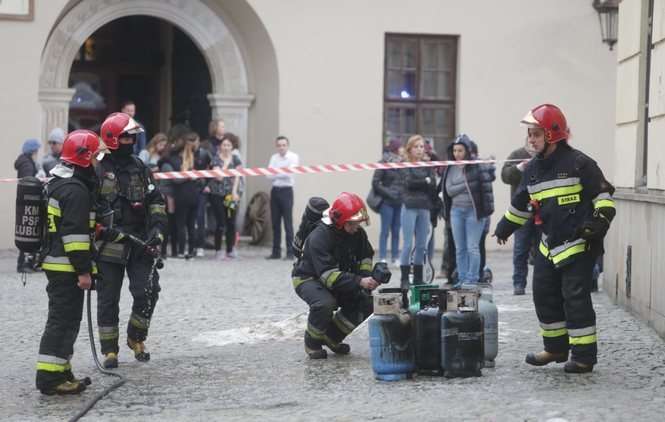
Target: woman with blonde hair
(417, 196)
(153, 152)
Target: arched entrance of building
(229, 97)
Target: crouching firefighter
(333, 276)
(68, 260)
(132, 207)
(569, 200)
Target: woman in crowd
(417, 196)
(468, 202)
(388, 185)
(186, 193)
(166, 187)
(225, 194)
(154, 151)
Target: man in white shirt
(281, 198)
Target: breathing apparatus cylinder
(30, 215)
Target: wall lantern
(608, 16)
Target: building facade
(635, 245)
(340, 78)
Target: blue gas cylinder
(390, 339)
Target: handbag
(374, 200)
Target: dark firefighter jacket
(128, 188)
(71, 222)
(570, 190)
(338, 259)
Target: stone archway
(230, 98)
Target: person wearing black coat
(468, 201)
(388, 185)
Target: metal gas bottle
(488, 310)
(462, 342)
(390, 338)
(30, 215)
(428, 334)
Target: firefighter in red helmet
(333, 276)
(68, 264)
(129, 194)
(570, 201)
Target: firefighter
(570, 201)
(333, 276)
(68, 261)
(131, 205)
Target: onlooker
(216, 131)
(153, 152)
(224, 196)
(55, 140)
(26, 166)
(525, 236)
(186, 193)
(166, 187)
(281, 198)
(468, 201)
(129, 107)
(388, 185)
(202, 161)
(419, 187)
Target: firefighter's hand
(107, 234)
(155, 238)
(593, 229)
(85, 281)
(368, 283)
(499, 240)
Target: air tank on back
(391, 343)
(462, 348)
(488, 310)
(428, 333)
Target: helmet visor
(132, 127)
(530, 121)
(360, 216)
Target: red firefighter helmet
(115, 125)
(550, 118)
(347, 207)
(79, 147)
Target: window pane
(393, 53)
(400, 121)
(437, 121)
(401, 84)
(433, 54)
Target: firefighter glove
(108, 234)
(155, 238)
(593, 229)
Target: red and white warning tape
(322, 168)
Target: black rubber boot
(67, 387)
(417, 274)
(543, 358)
(404, 278)
(71, 378)
(314, 348)
(139, 350)
(110, 361)
(340, 349)
(573, 367)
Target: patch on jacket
(568, 199)
(562, 175)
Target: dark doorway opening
(148, 61)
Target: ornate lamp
(608, 16)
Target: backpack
(310, 218)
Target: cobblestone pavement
(226, 345)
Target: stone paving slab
(226, 345)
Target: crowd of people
(414, 199)
(195, 207)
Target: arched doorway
(147, 61)
(229, 97)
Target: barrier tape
(322, 168)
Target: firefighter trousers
(145, 293)
(563, 304)
(333, 316)
(65, 309)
